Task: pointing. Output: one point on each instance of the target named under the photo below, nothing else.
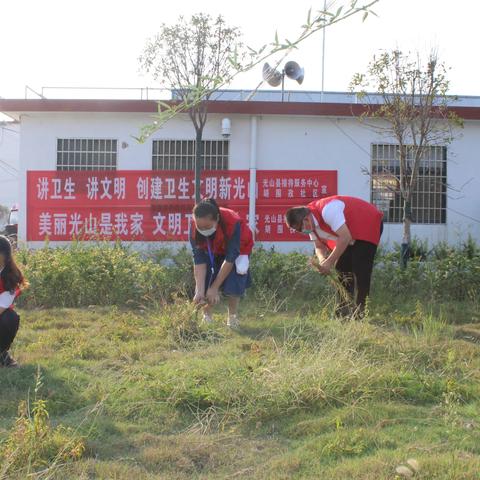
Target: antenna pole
(323, 54)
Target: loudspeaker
(271, 76)
(293, 71)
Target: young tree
(315, 23)
(189, 58)
(411, 107)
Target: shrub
(448, 273)
(285, 277)
(455, 276)
(102, 274)
(81, 275)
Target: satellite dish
(271, 76)
(294, 71)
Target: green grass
(153, 395)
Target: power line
(350, 138)
(463, 215)
(8, 171)
(9, 165)
(10, 130)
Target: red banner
(156, 206)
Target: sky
(93, 43)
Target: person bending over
(346, 232)
(222, 243)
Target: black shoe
(6, 360)
(344, 312)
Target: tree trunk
(198, 165)
(407, 236)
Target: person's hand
(324, 250)
(199, 298)
(313, 262)
(325, 267)
(213, 297)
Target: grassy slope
(284, 398)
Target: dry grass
(285, 397)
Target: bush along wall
(101, 274)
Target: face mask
(208, 232)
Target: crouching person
(221, 242)
(11, 282)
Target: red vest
(2, 289)
(362, 218)
(230, 220)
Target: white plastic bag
(242, 263)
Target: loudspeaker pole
(323, 54)
(275, 78)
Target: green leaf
(365, 15)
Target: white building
(9, 162)
(300, 134)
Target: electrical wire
(9, 165)
(464, 215)
(13, 171)
(9, 130)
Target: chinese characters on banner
(156, 206)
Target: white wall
(463, 176)
(301, 143)
(9, 153)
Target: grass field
(151, 395)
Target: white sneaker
(207, 318)
(233, 322)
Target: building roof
(311, 96)
(263, 102)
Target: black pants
(355, 271)
(9, 323)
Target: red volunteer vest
(362, 218)
(2, 289)
(230, 220)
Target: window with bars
(86, 154)
(429, 199)
(180, 154)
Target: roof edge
(17, 106)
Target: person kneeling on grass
(346, 232)
(221, 242)
(11, 281)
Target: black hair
(208, 207)
(11, 275)
(295, 216)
